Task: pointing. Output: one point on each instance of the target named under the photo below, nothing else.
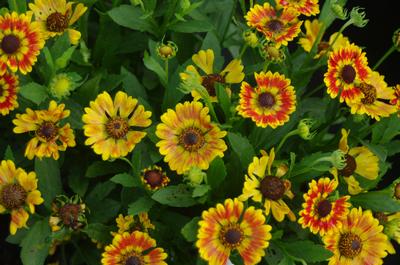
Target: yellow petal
(74, 36)
(78, 12)
(204, 60)
(233, 72)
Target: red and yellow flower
(56, 16)
(374, 94)
(358, 241)
(154, 178)
(278, 26)
(396, 99)
(130, 223)
(320, 213)
(8, 93)
(188, 138)
(21, 41)
(270, 103)
(50, 137)
(133, 248)
(18, 194)
(111, 125)
(204, 59)
(263, 185)
(304, 7)
(347, 69)
(229, 227)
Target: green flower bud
(61, 85)
(304, 129)
(357, 16)
(271, 53)
(339, 10)
(338, 159)
(136, 2)
(184, 4)
(166, 51)
(195, 176)
(250, 38)
(392, 229)
(396, 39)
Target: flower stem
(294, 132)
(166, 70)
(384, 57)
(242, 51)
(314, 90)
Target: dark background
(376, 37)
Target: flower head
(68, 213)
(271, 52)
(305, 7)
(270, 103)
(304, 129)
(359, 240)
(8, 93)
(374, 94)
(188, 138)
(204, 60)
(396, 98)
(154, 178)
(250, 38)
(167, 50)
(265, 186)
(130, 223)
(20, 42)
(49, 136)
(57, 16)
(320, 213)
(136, 248)
(111, 126)
(61, 85)
(347, 69)
(18, 194)
(229, 227)
(279, 27)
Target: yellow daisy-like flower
(20, 42)
(18, 192)
(312, 30)
(231, 74)
(154, 178)
(396, 99)
(265, 186)
(347, 69)
(8, 93)
(188, 138)
(278, 26)
(358, 241)
(130, 223)
(360, 162)
(305, 7)
(110, 125)
(50, 137)
(229, 227)
(320, 213)
(270, 103)
(374, 92)
(56, 16)
(133, 248)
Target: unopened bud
(250, 38)
(166, 51)
(357, 15)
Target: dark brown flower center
(350, 167)
(133, 260)
(272, 188)
(233, 236)
(10, 44)
(324, 207)
(369, 92)
(48, 131)
(274, 25)
(192, 139)
(323, 46)
(348, 74)
(154, 178)
(350, 245)
(117, 127)
(397, 191)
(382, 218)
(209, 83)
(266, 100)
(13, 196)
(69, 214)
(57, 22)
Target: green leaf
(176, 196)
(34, 92)
(8, 154)
(102, 168)
(131, 84)
(131, 17)
(126, 180)
(75, 117)
(200, 190)
(216, 172)
(224, 100)
(99, 192)
(88, 91)
(98, 232)
(189, 231)
(142, 205)
(378, 201)
(18, 6)
(242, 147)
(103, 210)
(191, 26)
(154, 66)
(63, 60)
(306, 250)
(49, 179)
(36, 244)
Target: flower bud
(357, 16)
(166, 51)
(338, 159)
(396, 39)
(250, 38)
(304, 128)
(339, 10)
(271, 53)
(195, 176)
(392, 227)
(62, 84)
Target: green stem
(127, 161)
(265, 68)
(314, 90)
(242, 51)
(294, 132)
(251, 3)
(384, 57)
(243, 7)
(348, 23)
(166, 69)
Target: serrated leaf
(36, 244)
(176, 196)
(34, 92)
(142, 205)
(49, 179)
(216, 172)
(189, 231)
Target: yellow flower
(130, 223)
(56, 16)
(18, 193)
(265, 186)
(305, 7)
(358, 241)
(312, 30)
(231, 74)
(62, 84)
(188, 138)
(49, 136)
(375, 91)
(111, 126)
